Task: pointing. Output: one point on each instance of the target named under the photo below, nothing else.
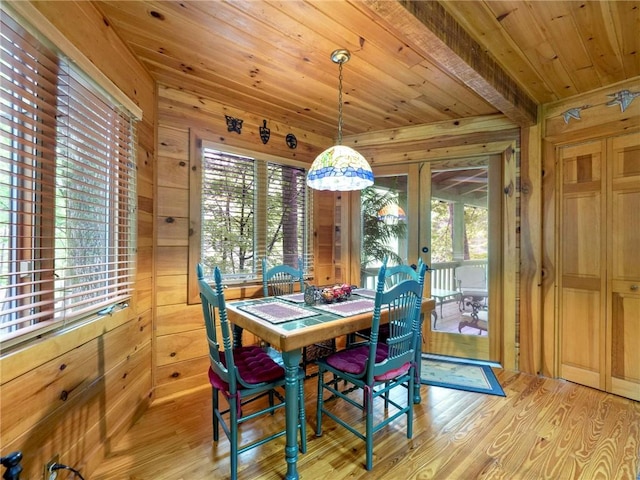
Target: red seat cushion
(253, 363)
(353, 361)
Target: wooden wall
(181, 356)
(181, 353)
(74, 393)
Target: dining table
(288, 324)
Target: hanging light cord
(340, 102)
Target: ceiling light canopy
(340, 167)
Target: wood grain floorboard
(542, 429)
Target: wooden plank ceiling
(413, 62)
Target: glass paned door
(385, 227)
(466, 214)
(460, 221)
(452, 215)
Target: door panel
(599, 265)
(460, 216)
(623, 355)
(625, 334)
(582, 339)
(582, 260)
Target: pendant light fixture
(340, 167)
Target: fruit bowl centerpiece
(337, 293)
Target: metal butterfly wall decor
(233, 124)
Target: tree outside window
(252, 209)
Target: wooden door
(623, 228)
(470, 342)
(582, 265)
(497, 346)
(599, 265)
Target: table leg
(291, 364)
(416, 386)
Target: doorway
(412, 186)
(464, 237)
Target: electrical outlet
(48, 474)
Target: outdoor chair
(244, 376)
(471, 282)
(376, 367)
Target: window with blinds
(252, 209)
(67, 192)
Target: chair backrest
(398, 273)
(214, 311)
(402, 303)
(469, 276)
(281, 279)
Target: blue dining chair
(242, 375)
(376, 367)
(397, 273)
(282, 280)
(278, 280)
(393, 275)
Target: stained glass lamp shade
(340, 167)
(392, 213)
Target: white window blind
(67, 191)
(252, 209)
(286, 214)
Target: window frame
(37, 304)
(200, 140)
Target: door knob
(634, 288)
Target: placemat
(278, 311)
(348, 308)
(293, 297)
(365, 292)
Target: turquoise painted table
(290, 336)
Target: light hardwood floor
(542, 429)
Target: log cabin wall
(183, 119)
(75, 393)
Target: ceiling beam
(436, 35)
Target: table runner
(348, 308)
(278, 311)
(293, 297)
(365, 292)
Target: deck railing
(442, 274)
